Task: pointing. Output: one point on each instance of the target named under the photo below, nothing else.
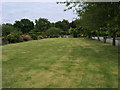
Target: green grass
(60, 63)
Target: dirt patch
(115, 73)
(24, 52)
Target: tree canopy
(64, 25)
(95, 17)
(25, 25)
(42, 24)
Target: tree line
(101, 19)
(25, 30)
(97, 19)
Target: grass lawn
(60, 63)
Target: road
(108, 40)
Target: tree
(64, 25)
(95, 16)
(7, 29)
(42, 25)
(52, 24)
(104, 32)
(25, 25)
(75, 23)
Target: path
(108, 40)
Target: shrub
(21, 38)
(11, 38)
(33, 36)
(44, 36)
(53, 32)
(40, 37)
(4, 41)
(25, 37)
(38, 33)
(14, 37)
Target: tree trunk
(105, 39)
(89, 37)
(114, 36)
(98, 38)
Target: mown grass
(60, 63)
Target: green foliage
(76, 30)
(64, 25)
(11, 37)
(42, 25)
(14, 37)
(118, 33)
(7, 29)
(25, 25)
(52, 24)
(104, 31)
(94, 16)
(33, 35)
(53, 32)
(73, 32)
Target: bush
(4, 41)
(33, 36)
(25, 37)
(11, 38)
(53, 32)
(38, 33)
(40, 37)
(14, 37)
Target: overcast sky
(12, 11)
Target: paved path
(108, 40)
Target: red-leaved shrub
(25, 37)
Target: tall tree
(7, 29)
(95, 16)
(25, 25)
(42, 25)
(64, 25)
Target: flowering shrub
(44, 36)
(40, 37)
(25, 37)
